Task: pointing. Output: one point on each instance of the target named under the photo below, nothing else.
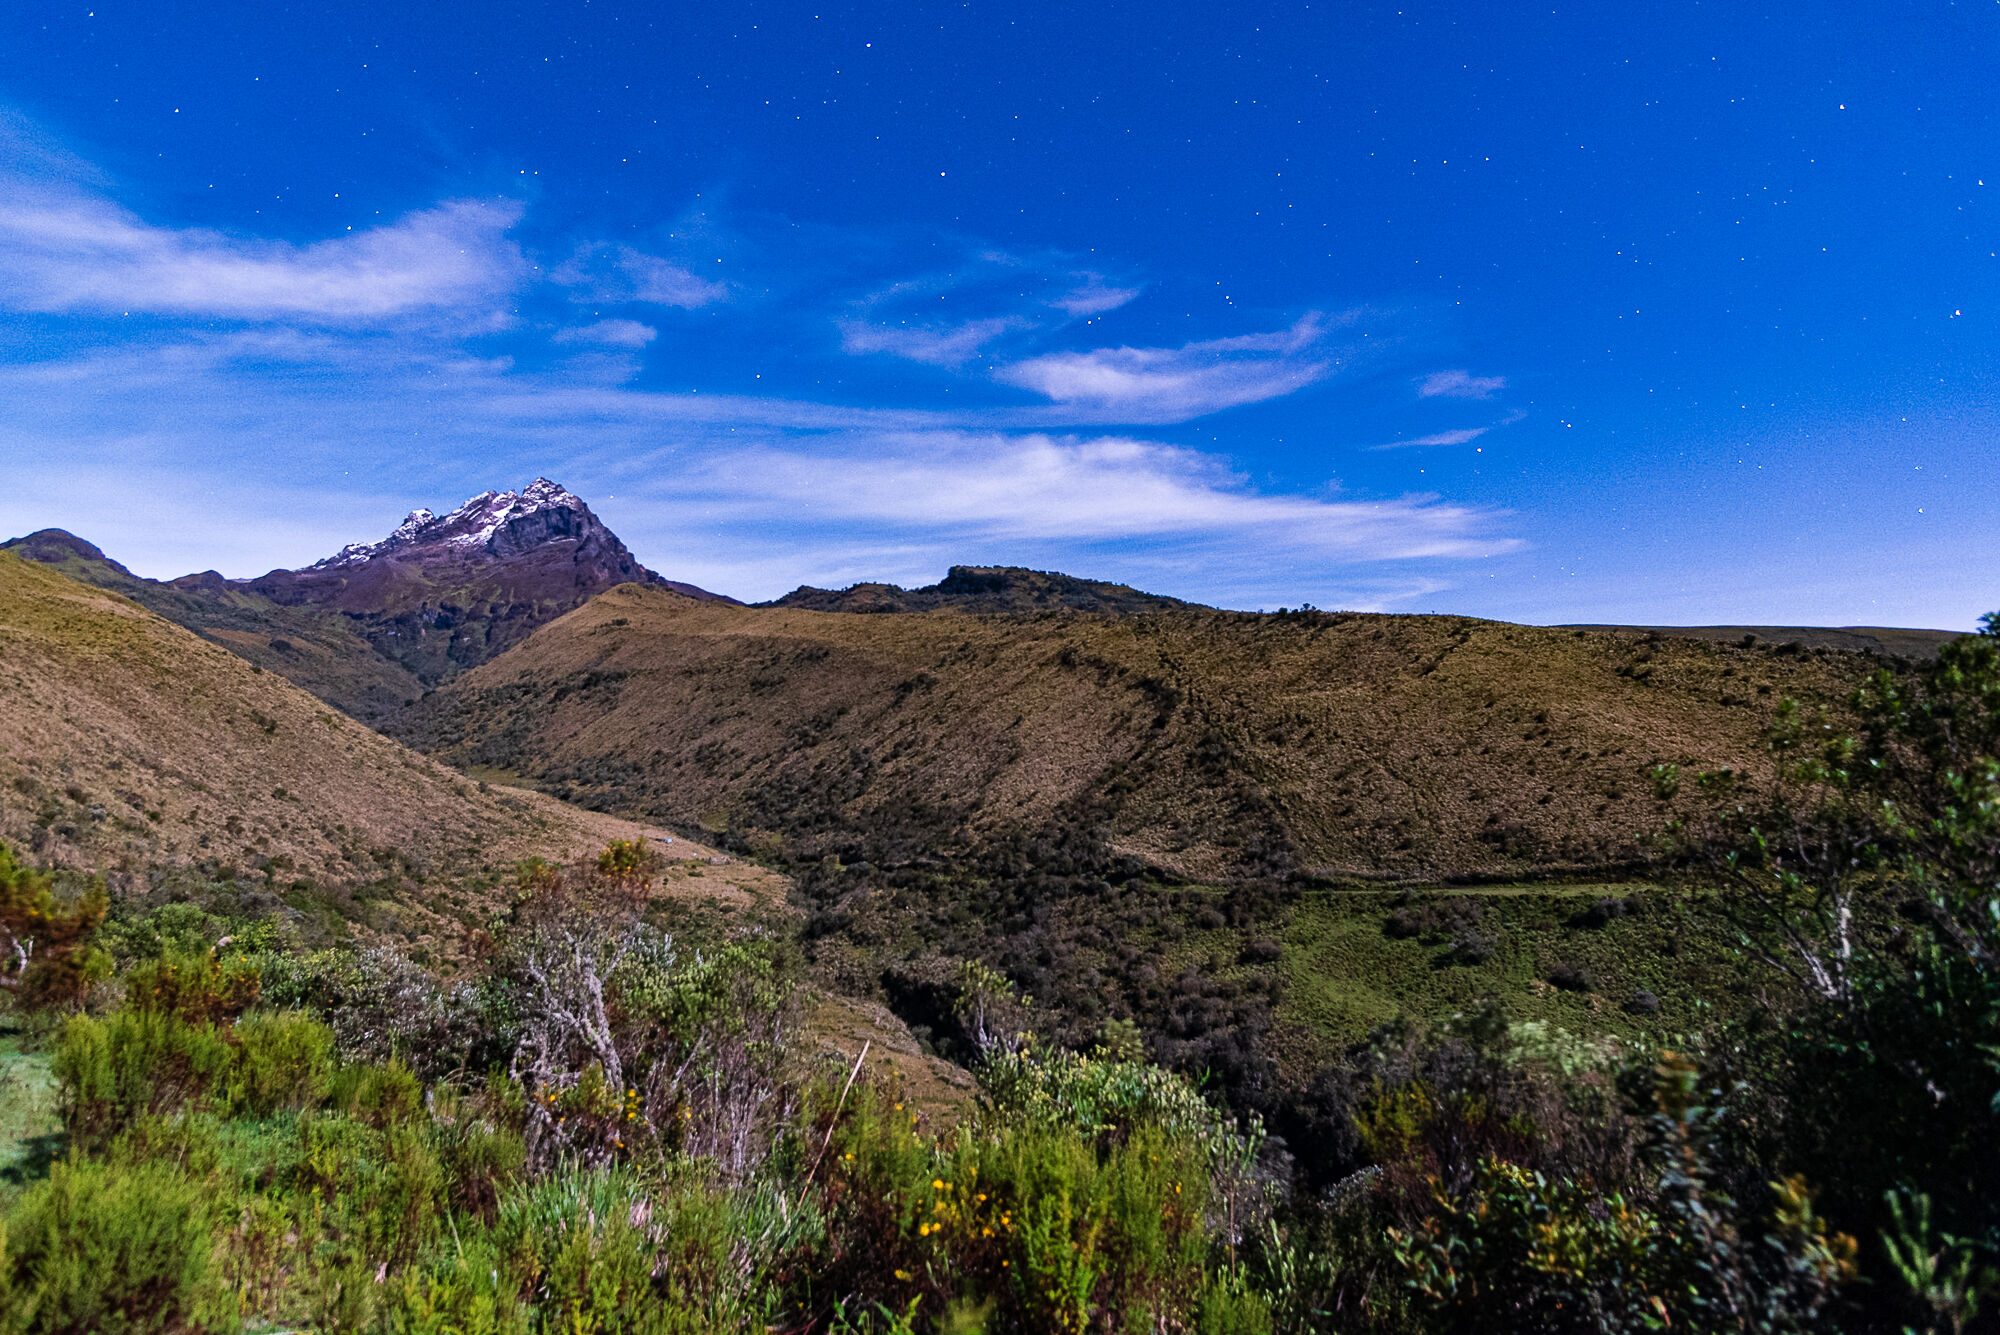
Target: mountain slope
(370, 628)
(314, 648)
(128, 744)
(443, 593)
(1209, 744)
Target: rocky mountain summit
(446, 592)
(495, 525)
(985, 589)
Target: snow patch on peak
(544, 492)
(412, 525)
(471, 526)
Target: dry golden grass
(128, 744)
(1404, 747)
(316, 648)
(843, 1029)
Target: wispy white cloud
(1463, 436)
(613, 333)
(1070, 488)
(748, 495)
(1460, 385)
(1009, 295)
(63, 251)
(603, 272)
(935, 345)
(385, 361)
(1175, 384)
(1093, 295)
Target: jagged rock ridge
(985, 589)
(498, 524)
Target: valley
(1135, 807)
(1315, 871)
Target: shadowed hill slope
(315, 648)
(984, 589)
(128, 744)
(1208, 744)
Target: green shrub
(1057, 1225)
(134, 1064)
(586, 1246)
(382, 1192)
(480, 1144)
(464, 1295)
(46, 959)
(283, 1062)
(1108, 1098)
(165, 929)
(382, 1096)
(320, 979)
(200, 988)
(1231, 1306)
(113, 1249)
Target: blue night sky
(1682, 312)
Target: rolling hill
(1206, 744)
(129, 745)
(314, 648)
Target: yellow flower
(937, 1184)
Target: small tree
(571, 934)
(44, 945)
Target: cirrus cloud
(1175, 384)
(604, 272)
(1460, 385)
(62, 251)
(613, 333)
(935, 345)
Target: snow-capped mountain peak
(476, 525)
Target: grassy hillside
(316, 648)
(128, 744)
(1206, 744)
(1185, 819)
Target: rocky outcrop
(984, 589)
